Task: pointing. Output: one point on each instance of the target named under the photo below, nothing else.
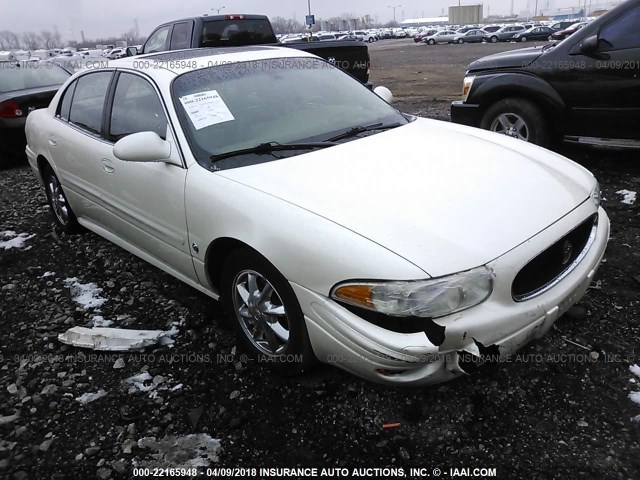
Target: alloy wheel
(261, 312)
(59, 202)
(511, 125)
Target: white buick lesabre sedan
(275, 182)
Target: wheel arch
(217, 253)
(42, 162)
(528, 87)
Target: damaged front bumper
(498, 326)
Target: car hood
(445, 197)
(511, 59)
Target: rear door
(75, 141)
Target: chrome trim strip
(565, 273)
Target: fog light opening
(390, 373)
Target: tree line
(48, 40)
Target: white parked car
(443, 36)
(364, 36)
(117, 53)
(262, 177)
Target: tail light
(10, 109)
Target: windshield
(237, 106)
(25, 75)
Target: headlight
(422, 298)
(595, 195)
(467, 83)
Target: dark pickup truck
(585, 89)
(244, 30)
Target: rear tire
(431, 42)
(63, 216)
(523, 39)
(517, 118)
(265, 313)
(494, 39)
(460, 41)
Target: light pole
(217, 10)
(394, 11)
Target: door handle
(107, 166)
(52, 141)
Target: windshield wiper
(269, 147)
(352, 132)
(549, 46)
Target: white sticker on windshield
(206, 109)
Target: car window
(622, 33)
(136, 108)
(217, 33)
(24, 75)
(158, 41)
(179, 37)
(65, 104)
(88, 101)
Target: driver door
(602, 88)
(145, 200)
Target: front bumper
(504, 326)
(466, 113)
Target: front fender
(491, 87)
(306, 248)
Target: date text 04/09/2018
(310, 472)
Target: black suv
(585, 89)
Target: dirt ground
(564, 412)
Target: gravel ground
(562, 412)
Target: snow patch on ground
(86, 294)
(197, 450)
(635, 369)
(10, 239)
(629, 196)
(99, 321)
(47, 274)
(144, 382)
(90, 397)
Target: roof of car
(181, 61)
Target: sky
(112, 18)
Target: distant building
(564, 13)
(422, 22)
(466, 15)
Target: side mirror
(142, 147)
(132, 51)
(384, 93)
(589, 45)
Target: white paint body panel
(372, 208)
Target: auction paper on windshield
(206, 109)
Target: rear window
(236, 33)
(30, 75)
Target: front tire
(460, 41)
(523, 39)
(265, 313)
(494, 39)
(63, 215)
(517, 118)
(431, 42)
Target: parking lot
(560, 409)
